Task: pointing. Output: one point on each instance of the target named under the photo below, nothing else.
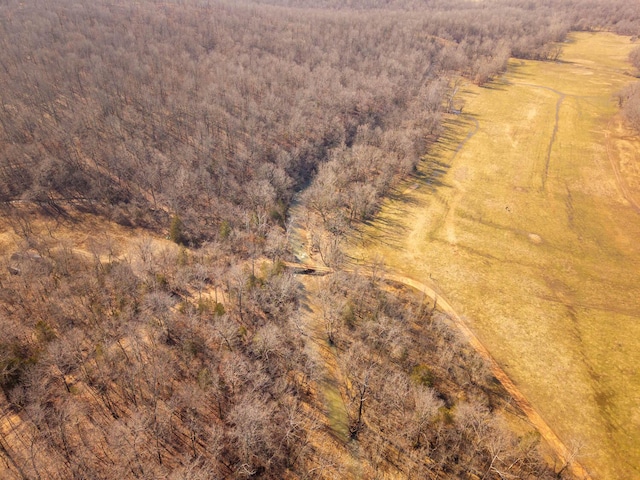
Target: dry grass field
(526, 217)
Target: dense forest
(203, 122)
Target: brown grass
(525, 218)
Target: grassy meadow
(525, 217)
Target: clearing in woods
(526, 215)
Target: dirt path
(564, 454)
(447, 225)
(561, 450)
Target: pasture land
(526, 216)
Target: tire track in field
(447, 223)
(470, 135)
(622, 185)
(554, 133)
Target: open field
(526, 218)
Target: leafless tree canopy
(201, 120)
(219, 111)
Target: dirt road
(561, 450)
(564, 454)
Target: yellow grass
(530, 228)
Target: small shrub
(204, 306)
(218, 309)
(349, 315)
(204, 378)
(277, 268)
(447, 415)
(422, 375)
(161, 281)
(224, 230)
(44, 332)
(176, 230)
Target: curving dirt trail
(561, 450)
(563, 453)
